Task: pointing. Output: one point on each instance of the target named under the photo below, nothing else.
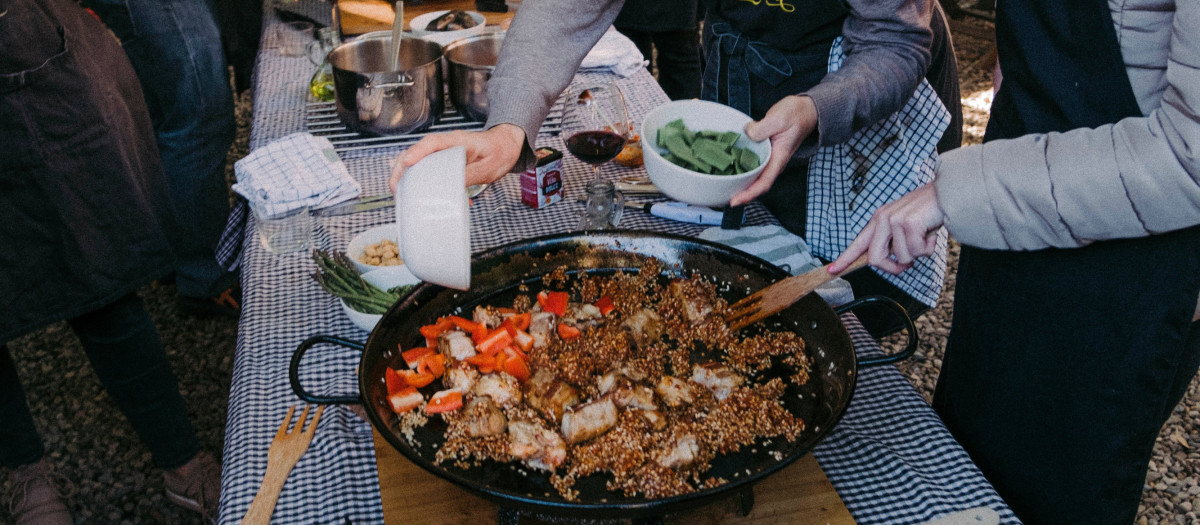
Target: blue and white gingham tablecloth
(890, 458)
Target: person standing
(87, 221)
(1075, 330)
(668, 35)
(175, 47)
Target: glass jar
(603, 208)
(321, 83)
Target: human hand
(490, 153)
(787, 123)
(899, 232)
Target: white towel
(293, 172)
(615, 52)
(784, 249)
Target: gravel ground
(115, 482)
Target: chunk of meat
(541, 325)
(460, 376)
(683, 451)
(550, 395)
(487, 316)
(589, 420)
(696, 301)
(583, 315)
(674, 391)
(644, 327)
(456, 344)
(656, 419)
(718, 378)
(484, 418)
(538, 446)
(502, 388)
(624, 391)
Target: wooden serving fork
(781, 294)
(282, 455)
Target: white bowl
(372, 236)
(435, 229)
(383, 278)
(688, 186)
(418, 23)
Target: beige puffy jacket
(1134, 178)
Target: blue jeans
(175, 47)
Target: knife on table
(370, 202)
(678, 211)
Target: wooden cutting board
(798, 495)
(363, 16)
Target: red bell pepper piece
(405, 399)
(568, 332)
(414, 356)
(485, 363)
(556, 303)
(464, 324)
(520, 321)
(444, 401)
(495, 341)
(432, 331)
(432, 364)
(393, 380)
(605, 304)
(416, 379)
(517, 367)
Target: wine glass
(596, 124)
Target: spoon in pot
(397, 35)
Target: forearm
(542, 51)
(887, 54)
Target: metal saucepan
(496, 275)
(470, 63)
(374, 100)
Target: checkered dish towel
(784, 249)
(292, 172)
(847, 182)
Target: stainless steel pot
(470, 62)
(372, 99)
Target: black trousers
(1063, 365)
(125, 350)
(678, 59)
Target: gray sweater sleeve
(542, 50)
(887, 54)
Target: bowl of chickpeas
(375, 248)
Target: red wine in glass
(594, 146)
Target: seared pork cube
(541, 325)
(635, 396)
(550, 395)
(484, 418)
(718, 378)
(540, 447)
(589, 420)
(456, 344)
(674, 391)
(611, 380)
(460, 376)
(697, 303)
(656, 419)
(644, 327)
(683, 451)
(487, 316)
(502, 388)
(583, 315)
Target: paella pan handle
(294, 371)
(909, 325)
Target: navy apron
(1063, 364)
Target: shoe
(227, 303)
(196, 486)
(37, 496)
